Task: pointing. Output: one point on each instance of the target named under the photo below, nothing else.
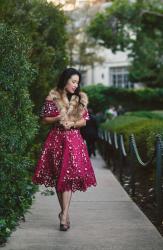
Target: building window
(119, 77)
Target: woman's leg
(59, 195)
(66, 198)
(69, 200)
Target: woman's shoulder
(53, 95)
(49, 107)
(84, 98)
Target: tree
(45, 24)
(81, 48)
(135, 26)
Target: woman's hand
(71, 124)
(68, 124)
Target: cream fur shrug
(70, 111)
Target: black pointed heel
(63, 227)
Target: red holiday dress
(64, 161)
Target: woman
(64, 162)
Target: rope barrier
(109, 138)
(122, 145)
(115, 140)
(140, 161)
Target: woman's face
(72, 84)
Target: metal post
(158, 181)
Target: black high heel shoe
(63, 227)
(68, 223)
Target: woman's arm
(78, 124)
(50, 120)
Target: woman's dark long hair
(65, 76)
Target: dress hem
(66, 188)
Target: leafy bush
(100, 97)
(144, 125)
(33, 53)
(96, 93)
(18, 127)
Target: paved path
(102, 218)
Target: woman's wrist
(74, 125)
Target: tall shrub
(45, 24)
(18, 127)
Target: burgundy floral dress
(64, 162)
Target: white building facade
(114, 69)
(112, 72)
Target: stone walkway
(104, 217)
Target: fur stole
(70, 111)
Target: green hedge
(33, 53)
(100, 97)
(18, 127)
(144, 125)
